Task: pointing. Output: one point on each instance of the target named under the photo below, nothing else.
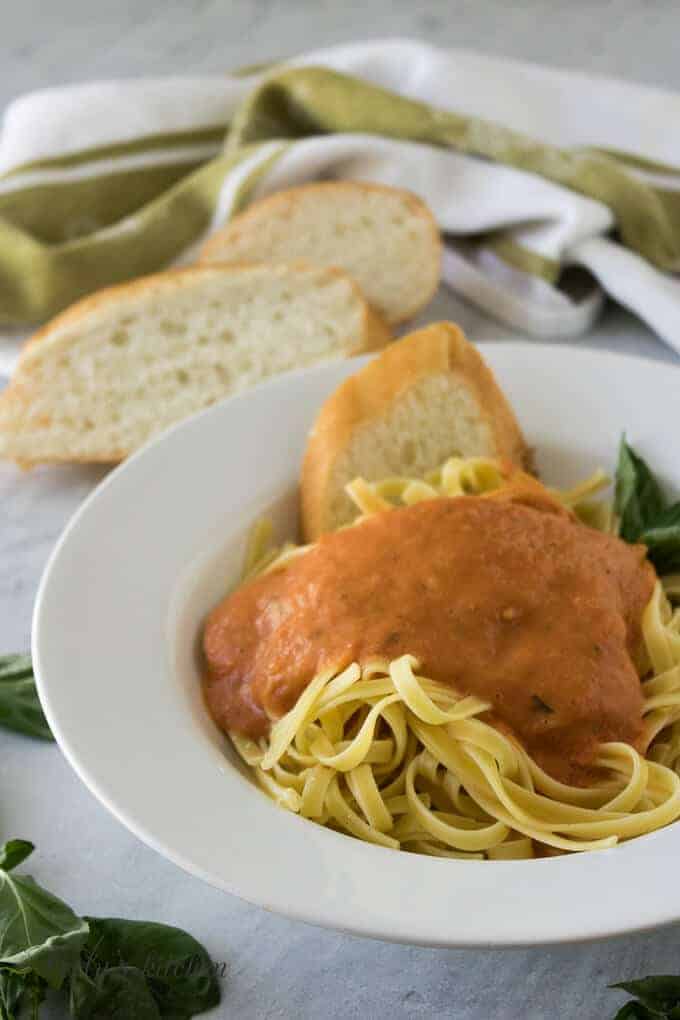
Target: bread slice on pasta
(426, 397)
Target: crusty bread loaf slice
(385, 238)
(125, 363)
(427, 397)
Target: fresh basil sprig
(38, 932)
(644, 513)
(14, 852)
(117, 993)
(108, 967)
(656, 998)
(662, 538)
(178, 973)
(19, 703)
(21, 994)
(40, 937)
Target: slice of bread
(125, 363)
(385, 238)
(425, 398)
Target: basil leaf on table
(37, 931)
(655, 996)
(178, 971)
(638, 498)
(118, 993)
(643, 513)
(21, 993)
(635, 1011)
(113, 969)
(11, 993)
(14, 852)
(19, 703)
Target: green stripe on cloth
(300, 102)
(670, 203)
(636, 162)
(522, 258)
(63, 210)
(38, 280)
(213, 135)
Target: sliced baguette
(385, 238)
(425, 398)
(125, 363)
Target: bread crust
(367, 395)
(281, 203)
(184, 274)
(18, 393)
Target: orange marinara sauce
(506, 596)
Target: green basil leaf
(660, 992)
(638, 499)
(21, 993)
(37, 930)
(662, 538)
(12, 989)
(19, 703)
(636, 1011)
(179, 972)
(117, 993)
(14, 852)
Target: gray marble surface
(276, 968)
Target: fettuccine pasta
(383, 753)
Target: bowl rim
(559, 875)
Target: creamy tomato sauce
(519, 604)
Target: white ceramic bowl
(115, 645)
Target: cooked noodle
(381, 752)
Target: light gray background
(276, 968)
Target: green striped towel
(529, 171)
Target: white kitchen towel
(530, 172)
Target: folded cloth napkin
(533, 175)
